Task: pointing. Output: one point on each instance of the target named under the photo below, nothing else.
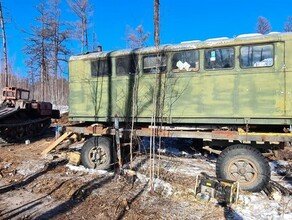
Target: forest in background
(47, 51)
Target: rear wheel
(246, 165)
(96, 153)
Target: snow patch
(258, 206)
(86, 170)
(62, 108)
(29, 167)
(160, 186)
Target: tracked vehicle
(21, 117)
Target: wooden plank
(56, 142)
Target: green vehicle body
(235, 95)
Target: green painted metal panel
(232, 96)
(88, 96)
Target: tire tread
(253, 152)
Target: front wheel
(246, 165)
(96, 153)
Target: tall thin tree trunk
(86, 34)
(154, 113)
(4, 45)
(55, 80)
(43, 71)
(156, 22)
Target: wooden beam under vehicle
(240, 135)
(56, 142)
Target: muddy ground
(34, 187)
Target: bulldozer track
(14, 132)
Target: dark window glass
(149, 63)
(185, 61)
(8, 93)
(126, 65)
(219, 58)
(24, 95)
(256, 56)
(100, 67)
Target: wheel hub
(97, 156)
(242, 171)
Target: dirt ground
(34, 187)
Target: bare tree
(94, 42)
(137, 38)
(46, 50)
(4, 45)
(288, 24)
(263, 25)
(37, 49)
(83, 10)
(10, 77)
(57, 37)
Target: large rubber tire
(244, 164)
(96, 153)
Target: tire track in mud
(42, 192)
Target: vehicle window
(100, 68)
(256, 56)
(8, 94)
(219, 58)
(24, 95)
(126, 65)
(149, 63)
(185, 61)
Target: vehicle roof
(194, 44)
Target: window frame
(133, 64)
(192, 69)
(215, 48)
(162, 68)
(97, 73)
(256, 67)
